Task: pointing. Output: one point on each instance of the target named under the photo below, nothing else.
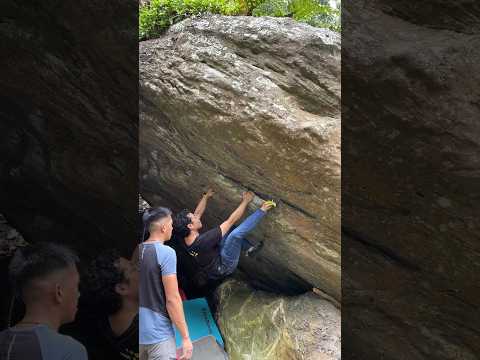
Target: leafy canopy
(159, 15)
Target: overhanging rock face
(68, 123)
(240, 103)
(411, 179)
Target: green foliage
(316, 14)
(159, 15)
(252, 4)
(277, 8)
(155, 18)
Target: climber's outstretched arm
(202, 204)
(247, 197)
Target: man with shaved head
(160, 301)
(45, 277)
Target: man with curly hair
(110, 298)
(217, 251)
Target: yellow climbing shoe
(271, 202)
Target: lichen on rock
(261, 325)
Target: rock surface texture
(239, 103)
(260, 325)
(411, 179)
(68, 122)
(10, 238)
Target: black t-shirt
(206, 247)
(102, 343)
(124, 346)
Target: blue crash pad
(200, 321)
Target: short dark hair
(180, 224)
(153, 215)
(99, 281)
(38, 261)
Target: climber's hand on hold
(187, 349)
(267, 205)
(209, 193)
(248, 196)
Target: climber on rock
(217, 251)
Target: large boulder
(239, 103)
(411, 179)
(68, 122)
(261, 325)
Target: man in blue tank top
(160, 302)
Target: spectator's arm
(173, 300)
(175, 310)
